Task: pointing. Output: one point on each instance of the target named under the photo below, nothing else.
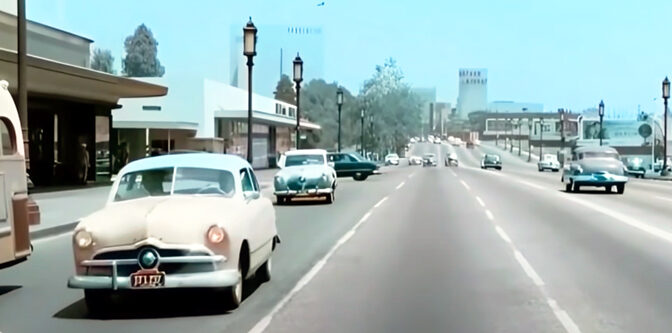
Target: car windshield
(600, 154)
(159, 182)
(295, 160)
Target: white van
(17, 210)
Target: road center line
(489, 214)
(452, 172)
(563, 317)
(401, 185)
(528, 268)
(380, 202)
(480, 201)
(262, 324)
(663, 198)
(532, 185)
(465, 185)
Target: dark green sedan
(352, 165)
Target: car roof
(188, 160)
(605, 149)
(306, 152)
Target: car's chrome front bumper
(304, 193)
(212, 279)
(597, 179)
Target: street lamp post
(511, 136)
(529, 139)
(361, 144)
(562, 129)
(298, 77)
(520, 134)
(666, 96)
(541, 137)
(249, 50)
(601, 113)
(339, 101)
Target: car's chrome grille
(133, 254)
(168, 268)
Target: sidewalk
(524, 153)
(60, 211)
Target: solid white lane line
(452, 172)
(480, 201)
(380, 202)
(563, 317)
(663, 198)
(50, 238)
(411, 175)
(503, 234)
(489, 214)
(266, 320)
(401, 185)
(651, 230)
(465, 185)
(528, 268)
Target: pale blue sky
(559, 53)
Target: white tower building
(473, 94)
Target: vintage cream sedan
(177, 221)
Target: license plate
(148, 279)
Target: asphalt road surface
(432, 249)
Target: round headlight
(83, 238)
(216, 234)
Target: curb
(53, 231)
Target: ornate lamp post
(529, 139)
(601, 113)
(361, 144)
(541, 137)
(666, 96)
(249, 50)
(298, 77)
(339, 101)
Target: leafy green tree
(102, 60)
(284, 91)
(141, 54)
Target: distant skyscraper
(428, 99)
(473, 94)
(277, 46)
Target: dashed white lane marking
(532, 185)
(411, 175)
(380, 202)
(503, 234)
(480, 202)
(489, 214)
(651, 230)
(528, 268)
(465, 185)
(452, 172)
(401, 185)
(563, 317)
(266, 320)
(663, 198)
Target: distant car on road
(549, 162)
(392, 159)
(190, 221)
(491, 161)
(415, 160)
(413, 140)
(598, 166)
(634, 166)
(451, 159)
(437, 140)
(305, 173)
(429, 160)
(352, 165)
(457, 142)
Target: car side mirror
(331, 164)
(251, 195)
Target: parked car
(491, 161)
(549, 162)
(451, 159)
(429, 160)
(598, 166)
(659, 164)
(437, 140)
(415, 160)
(176, 221)
(392, 159)
(305, 173)
(634, 166)
(352, 165)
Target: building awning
(266, 118)
(172, 125)
(51, 78)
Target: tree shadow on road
(156, 304)
(7, 289)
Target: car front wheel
(620, 188)
(264, 272)
(330, 197)
(360, 176)
(568, 187)
(235, 292)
